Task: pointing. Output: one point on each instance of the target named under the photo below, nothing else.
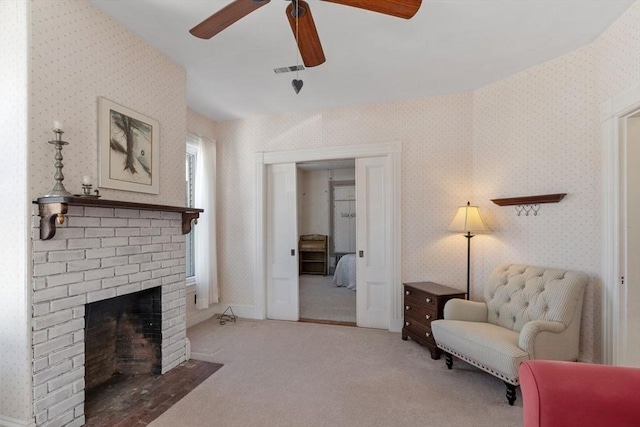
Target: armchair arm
(470, 311)
(543, 339)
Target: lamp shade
(468, 220)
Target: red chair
(572, 394)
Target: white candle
(57, 125)
(86, 180)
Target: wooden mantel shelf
(530, 200)
(53, 209)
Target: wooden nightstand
(423, 303)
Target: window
(190, 169)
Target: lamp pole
(468, 236)
(467, 221)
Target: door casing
(612, 114)
(393, 152)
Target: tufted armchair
(527, 313)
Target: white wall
(538, 132)
(314, 199)
(435, 177)
(77, 54)
(313, 203)
(15, 209)
(67, 53)
(533, 133)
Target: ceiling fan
(305, 32)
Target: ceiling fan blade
(224, 17)
(400, 8)
(307, 35)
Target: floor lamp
(468, 221)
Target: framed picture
(129, 149)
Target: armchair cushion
(490, 347)
(460, 309)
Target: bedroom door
(282, 242)
(373, 255)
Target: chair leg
(448, 360)
(511, 393)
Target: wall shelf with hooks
(528, 204)
(530, 200)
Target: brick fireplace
(101, 254)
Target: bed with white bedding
(345, 274)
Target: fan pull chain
(297, 39)
(296, 83)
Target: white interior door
(628, 351)
(373, 225)
(282, 242)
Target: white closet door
(282, 242)
(341, 225)
(352, 226)
(373, 269)
(344, 192)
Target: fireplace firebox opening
(123, 336)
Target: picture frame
(129, 149)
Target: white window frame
(191, 150)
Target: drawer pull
(406, 307)
(407, 292)
(407, 323)
(428, 300)
(427, 334)
(427, 316)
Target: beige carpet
(320, 300)
(304, 374)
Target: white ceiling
(449, 46)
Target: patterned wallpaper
(535, 132)
(538, 132)
(435, 135)
(78, 53)
(200, 125)
(617, 49)
(15, 365)
(74, 54)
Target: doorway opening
(326, 241)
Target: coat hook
(535, 208)
(519, 209)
